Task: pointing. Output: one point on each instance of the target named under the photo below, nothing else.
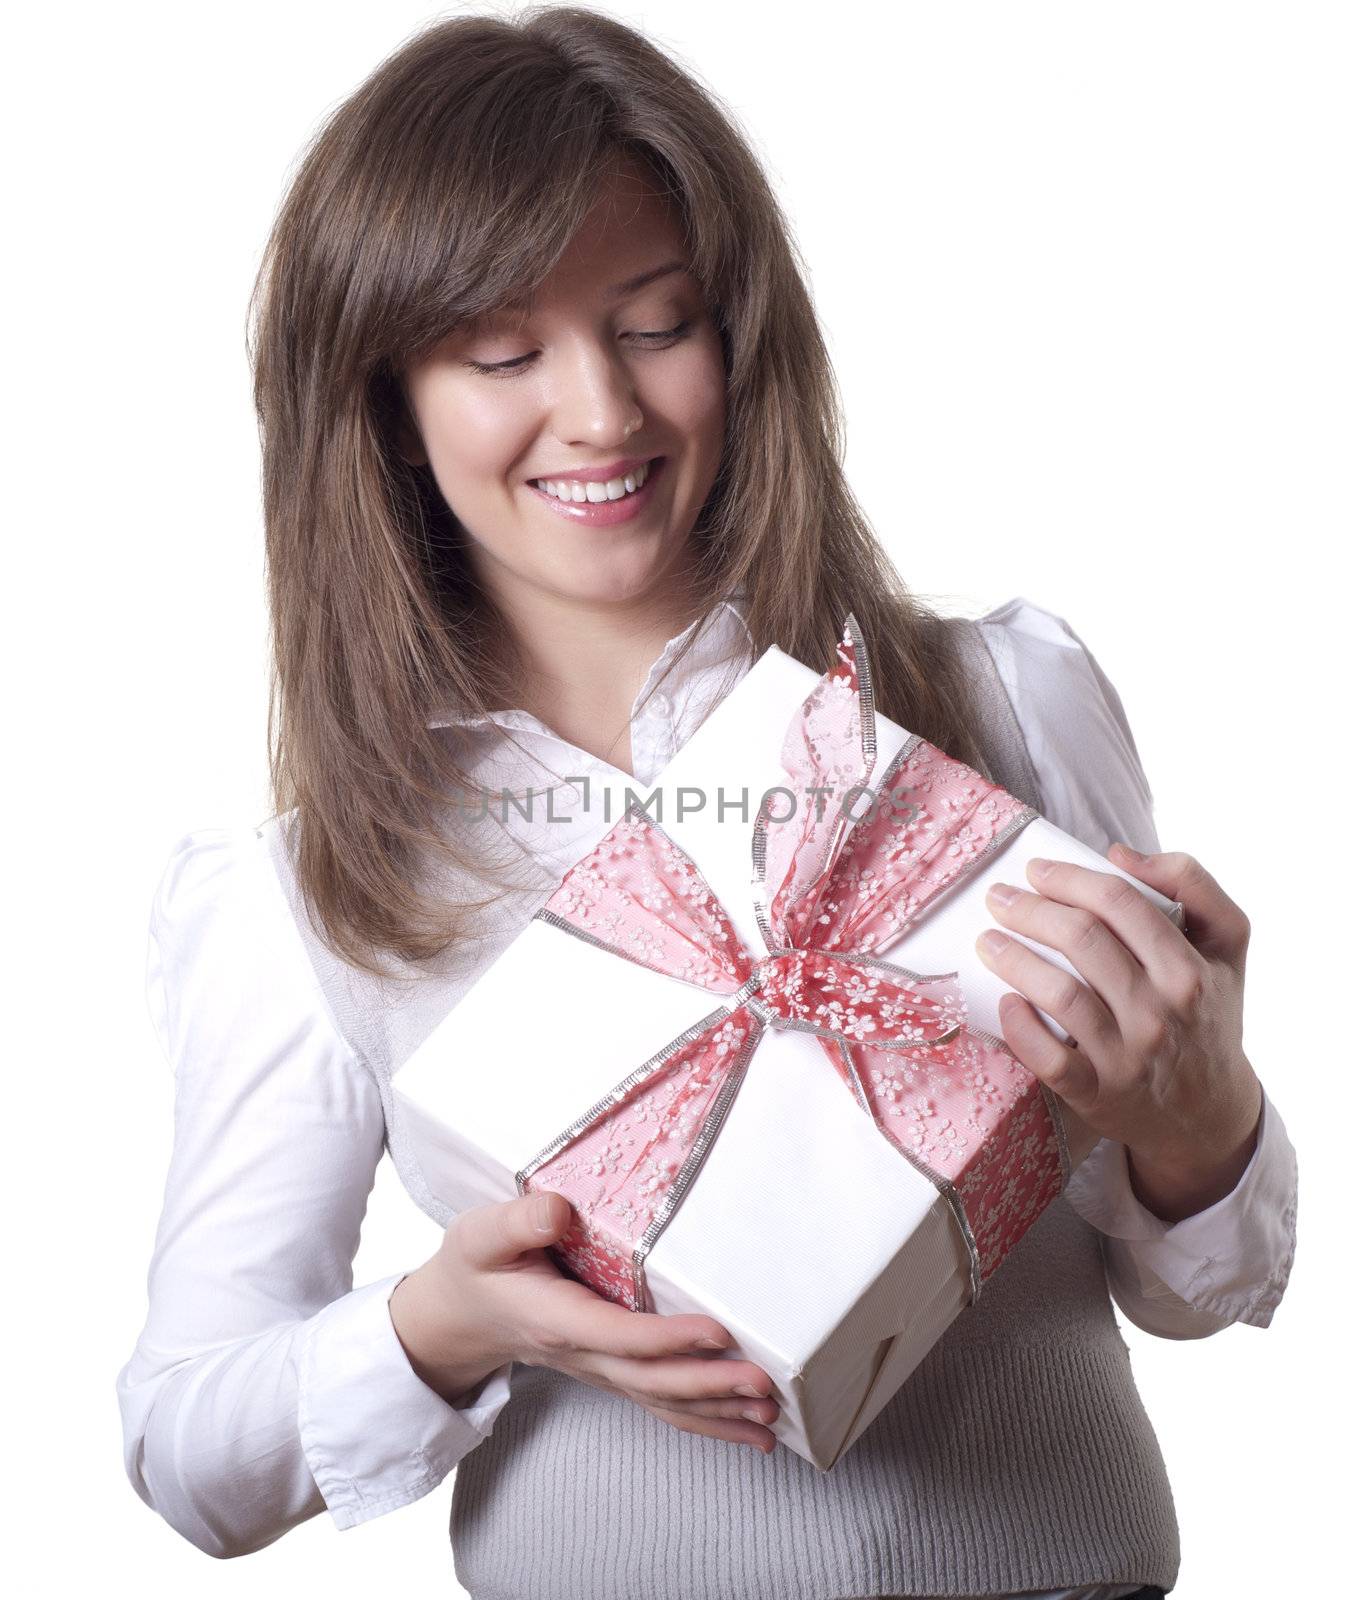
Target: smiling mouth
(598, 492)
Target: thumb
(493, 1236)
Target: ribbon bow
(835, 885)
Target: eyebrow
(630, 285)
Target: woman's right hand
(492, 1294)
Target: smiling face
(592, 376)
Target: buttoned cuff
(375, 1436)
(1234, 1258)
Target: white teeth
(613, 489)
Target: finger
(582, 1319)
(1153, 942)
(747, 1433)
(648, 1383)
(684, 1379)
(1060, 1067)
(1073, 1004)
(765, 1412)
(1215, 924)
(1081, 935)
(496, 1235)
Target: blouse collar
(723, 639)
(514, 750)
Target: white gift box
(832, 1260)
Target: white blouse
(264, 1387)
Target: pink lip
(605, 513)
(617, 469)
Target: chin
(614, 583)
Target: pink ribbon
(836, 883)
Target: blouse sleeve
(263, 1386)
(1229, 1263)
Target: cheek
(691, 391)
(471, 431)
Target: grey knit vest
(1018, 1456)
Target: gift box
(749, 1038)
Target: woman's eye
(655, 341)
(669, 333)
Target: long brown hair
(446, 185)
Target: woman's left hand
(1155, 1060)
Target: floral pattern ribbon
(836, 883)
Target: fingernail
(995, 941)
(753, 1413)
(1002, 894)
(709, 1344)
(1042, 867)
(545, 1222)
(747, 1388)
(1129, 854)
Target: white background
(1093, 278)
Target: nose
(596, 406)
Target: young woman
(551, 454)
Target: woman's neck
(581, 667)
